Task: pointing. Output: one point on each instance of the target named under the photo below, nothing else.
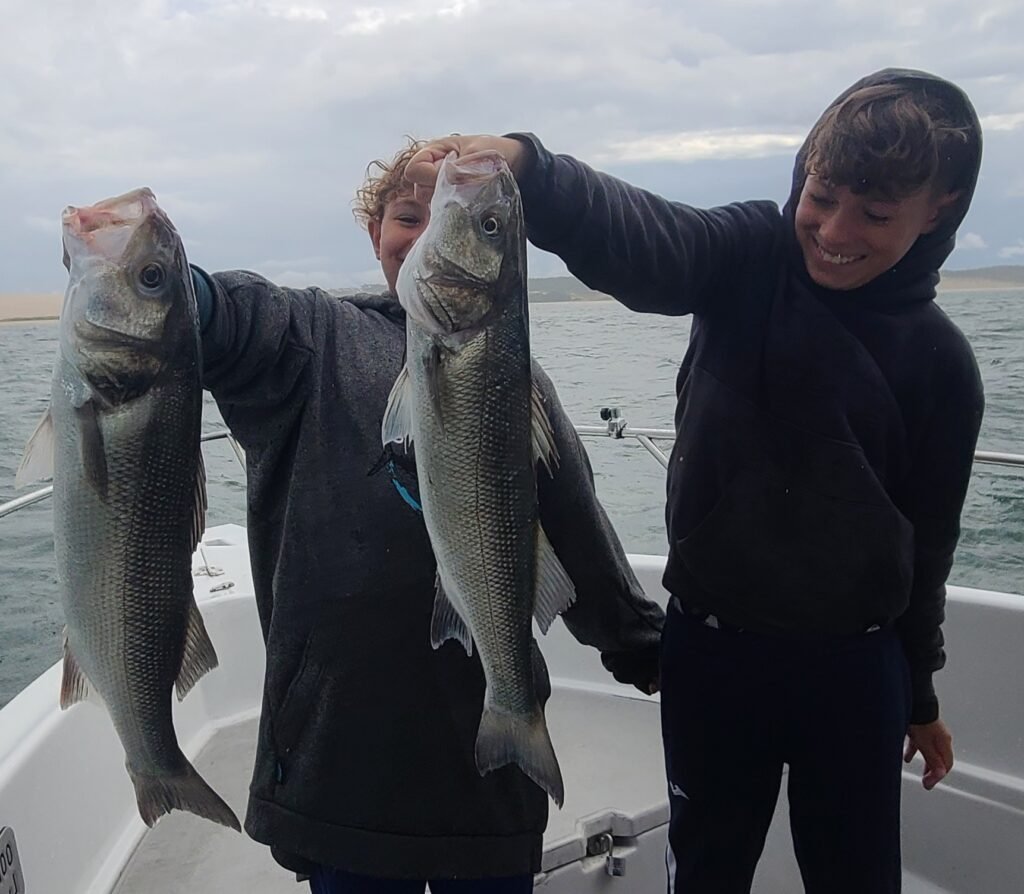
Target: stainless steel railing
(42, 493)
(615, 427)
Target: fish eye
(151, 276)
(491, 225)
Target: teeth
(836, 259)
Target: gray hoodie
(365, 758)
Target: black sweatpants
(735, 707)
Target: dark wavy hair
(891, 139)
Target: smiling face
(400, 225)
(881, 167)
(848, 239)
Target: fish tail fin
(520, 739)
(157, 795)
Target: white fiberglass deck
(64, 791)
(591, 732)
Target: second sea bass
(467, 400)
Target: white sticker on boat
(11, 879)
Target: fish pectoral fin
(94, 455)
(200, 504)
(446, 623)
(544, 448)
(199, 655)
(554, 591)
(397, 424)
(433, 380)
(37, 463)
(74, 685)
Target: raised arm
(650, 253)
(257, 339)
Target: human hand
(639, 668)
(935, 743)
(421, 171)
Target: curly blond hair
(384, 180)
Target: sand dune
(21, 306)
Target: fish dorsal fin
(397, 424)
(554, 591)
(199, 655)
(446, 622)
(37, 463)
(74, 685)
(199, 504)
(544, 448)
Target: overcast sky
(253, 121)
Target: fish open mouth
(104, 229)
(124, 210)
(472, 168)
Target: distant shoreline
(982, 287)
(28, 321)
(26, 309)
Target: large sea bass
(121, 438)
(467, 400)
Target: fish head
(129, 294)
(468, 266)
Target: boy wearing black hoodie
(827, 416)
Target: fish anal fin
(446, 623)
(199, 655)
(554, 591)
(37, 462)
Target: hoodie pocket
(786, 552)
(292, 714)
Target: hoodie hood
(914, 278)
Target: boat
(69, 822)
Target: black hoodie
(825, 438)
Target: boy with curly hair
(365, 778)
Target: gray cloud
(968, 241)
(253, 120)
